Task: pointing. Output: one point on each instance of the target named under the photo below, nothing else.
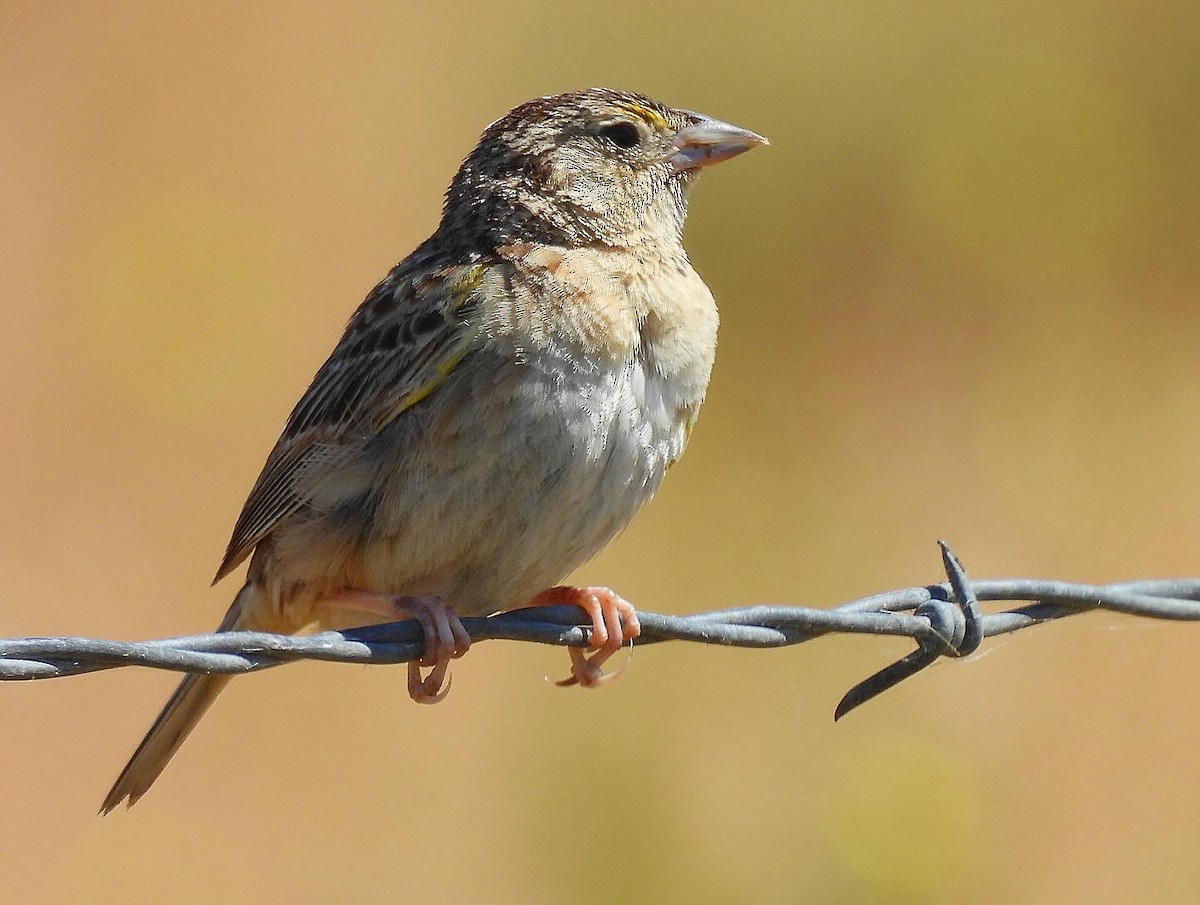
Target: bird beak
(708, 141)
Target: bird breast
(533, 453)
(583, 391)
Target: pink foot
(614, 621)
(445, 637)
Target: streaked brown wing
(401, 343)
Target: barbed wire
(943, 619)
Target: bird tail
(178, 718)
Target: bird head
(593, 167)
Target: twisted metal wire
(943, 619)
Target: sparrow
(498, 408)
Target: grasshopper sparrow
(498, 408)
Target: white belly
(487, 513)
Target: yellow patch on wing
(411, 399)
(465, 285)
(693, 413)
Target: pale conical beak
(708, 141)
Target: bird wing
(402, 342)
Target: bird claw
(431, 689)
(586, 671)
(445, 637)
(614, 622)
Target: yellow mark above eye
(653, 117)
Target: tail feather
(178, 718)
(183, 711)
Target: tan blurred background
(960, 299)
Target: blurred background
(959, 298)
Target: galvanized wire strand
(943, 619)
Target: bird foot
(614, 621)
(445, 637)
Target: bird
(499, 406)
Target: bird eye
(623, 135)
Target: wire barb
(955, 632)
(943, 619)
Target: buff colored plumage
(498, 408)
